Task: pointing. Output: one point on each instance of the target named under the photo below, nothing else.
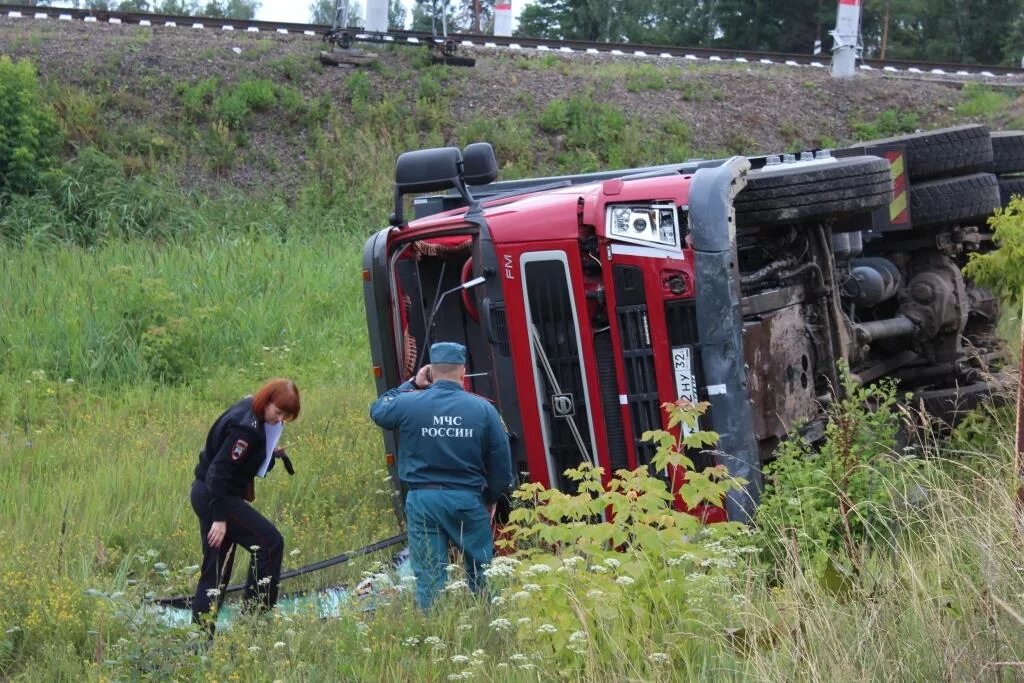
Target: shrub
(29, 136)
(890, 122)
(823, 501)
(1002, 269)
(617, 558)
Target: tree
(230, 9)
(396, 14)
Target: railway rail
(453, 41)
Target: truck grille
(615, 430)
(552, 315)
(681, 321)
(637, 357)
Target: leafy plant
(822, 502)
(618, 552)
(1002, 269)
(29, 137)
(890, 122)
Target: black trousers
(247, 529)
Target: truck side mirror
(479, 165)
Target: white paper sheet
(273, 434)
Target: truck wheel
(1007, 152)
(789, 193)
(1009, 187)
(943, 152)
(954, 200)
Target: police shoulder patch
(239, 449)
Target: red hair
(282, 393)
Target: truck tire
(943, 152)
(1007, 152)
(1009, 187)
(790, 193)
(954, 200)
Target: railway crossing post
(847, 47)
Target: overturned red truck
(586, 301)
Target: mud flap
(719, 319)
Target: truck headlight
(651, 224)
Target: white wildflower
(411, 641)
(523, 621)
(459, 659)
(279, 644)
(465, 627)
(659, 658)
(456, 586)
(595, 593)
(516, 657)
(520, 595)
(546, 628)
(265, 581)
(452, 568)
(538, 569)
(254, 548)
(212, 592)
(612, 562)
(498, 600)
(501, 624)
(433, 641)
(528, 666)
(572, 560)
(578, 637)
(625, 580)
(499, 570)
(254, 648)
(598, 569)
(295, 552)
(531, 587)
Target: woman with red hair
(241, 445)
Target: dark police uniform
(234, 452)
(454, 457)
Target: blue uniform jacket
(448, 437)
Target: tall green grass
(129, 311)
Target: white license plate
(686, 386)
(682, 364)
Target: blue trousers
(436, 517)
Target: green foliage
(647, 77)
(982, 102)
(236, 105)
(29, 136)
(617, 557)
(1001, 270)
(591, 130)
(823, 502)
(197, 98)
(891, 122)
(210, 100)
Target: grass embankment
(132, 312)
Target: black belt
(441, 487)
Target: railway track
(453, 41)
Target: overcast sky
(298, 10)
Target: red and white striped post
(503, 18)
(846, 36)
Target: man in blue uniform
(455, 460)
